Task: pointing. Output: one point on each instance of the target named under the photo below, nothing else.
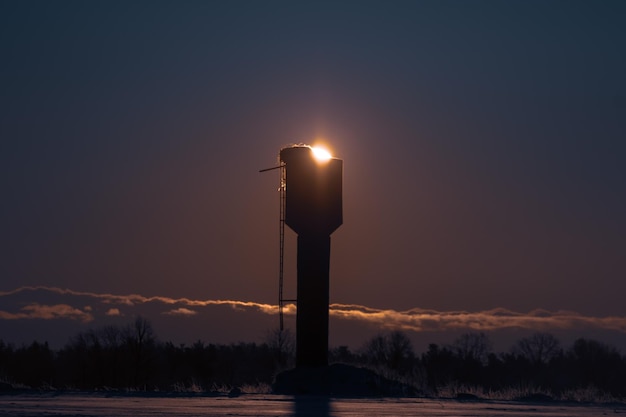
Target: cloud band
(416, 319)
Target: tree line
(131, 357)
(537, 363)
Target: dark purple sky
(483, 147)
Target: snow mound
(339, 380)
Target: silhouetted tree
(35, 364)
(375, 350)
(539, 348)
(342, 354)
(393, 350)
(95, 358)
(6, 356)
(282, 345)
(598, 365)
(400, 352)
(472, 351)
(440, 366)
(111, 340)
(472, 347)
(140, 341)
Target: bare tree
(539, 348)
(140, 340)
(282, 344)
(393, 350)
(400, 350)
(375, 350)
(472, 346)
(111, 337)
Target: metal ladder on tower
(281, 231)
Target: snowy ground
(83, 405)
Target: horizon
(351, 325)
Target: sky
(483, 148)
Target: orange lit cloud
(182, 311)
(48, 312)
(113, 312)
(135, 299)
(418, 320)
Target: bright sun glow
(321, 154)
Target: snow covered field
(83, 405)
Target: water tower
(311, 205)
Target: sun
(321, 154)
